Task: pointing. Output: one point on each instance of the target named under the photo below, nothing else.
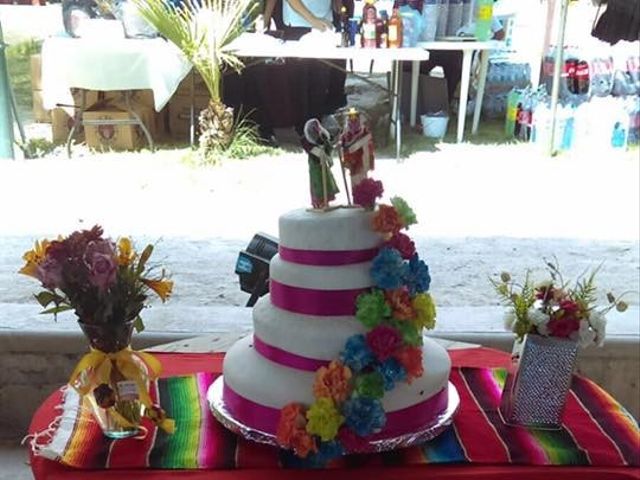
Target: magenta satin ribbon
(287, 359)
(408, 419)
(310, 301)
(326, 257)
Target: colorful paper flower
(409, 332)
(387, 221)
(371, 308)
(425, 309)
(292, 419)
(388, 270)
(364, 415)
(356, 354)
(417, 277)
(351, 441)
(370, 385)
(384, 341)
(333, 382)
(400, 303)
(324, 419)
(327, 451)
(411, 359)
(403, 244)
(405, 212)
(366, 192)
(302, 443)
(392, 372)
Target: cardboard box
(61, 124)
(116, 137)
(36, 72)
(199, 87)
(136, 97)
(180, 114)
(40, 115)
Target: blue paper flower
(388, 269)
(356, 354)
(328, 451)
(417, 277)
(364, 415)
(392, 371)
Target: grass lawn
(19, 67)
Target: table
(109, 65)
(468, 48)
(179, 364)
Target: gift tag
(128, 390)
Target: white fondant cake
(324, 263)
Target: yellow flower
(126, 253)
(425, 309)
(324, 419)
(163, 288)
(34, 257)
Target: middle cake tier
(317, 290)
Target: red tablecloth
(180, 364)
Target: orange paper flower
(302, 443)
(292, 420)
(387, 220)
(333, 382)
(411, 359)
(400, 303)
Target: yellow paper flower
(34, 257)
(126, 253)
(324, 419)
(163, 288)
(425, 309)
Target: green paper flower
(371, 308)
(324, 419)
(411, 334)
(405, 212)
(370, 385)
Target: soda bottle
(484, 17)
(369, 16)
(582, 78)
(395, 30)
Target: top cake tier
(337, 237)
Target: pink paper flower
(384, 341)
(366, 192)
(403, 244)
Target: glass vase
(114, 401)
(538, 381)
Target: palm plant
(203, 31)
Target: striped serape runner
(597, 431)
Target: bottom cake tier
(255, 390)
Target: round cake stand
(427, 432)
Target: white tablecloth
(107, 65)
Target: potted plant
(551, 320)
(107, 285)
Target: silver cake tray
(427, 432)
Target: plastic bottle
(454, 17)
(395, 30)
(618, 136)
(512, 110)
(381, 29)
(344, 27)
(467, 12)
(369, 16)
(443, 13)
(484, 17)
(429, 20)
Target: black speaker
(252, 266)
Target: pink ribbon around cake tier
(310, 301)
(287, 359)
(326, 257)
(265, 419)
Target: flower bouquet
(106, 284)
(551, 320)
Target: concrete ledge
(38, 355)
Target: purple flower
(417, 277)
(49, 272)
(100, 260)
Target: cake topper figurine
(356, 145)
(319, 145)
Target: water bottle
(454, 18)
(443, 14)
(618, 136)
(484, 17)
(430, 11)
(467, 13)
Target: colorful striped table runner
(597, 431)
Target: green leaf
(45, 298)
(56, 310)
(138, 325)
(144, 257)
